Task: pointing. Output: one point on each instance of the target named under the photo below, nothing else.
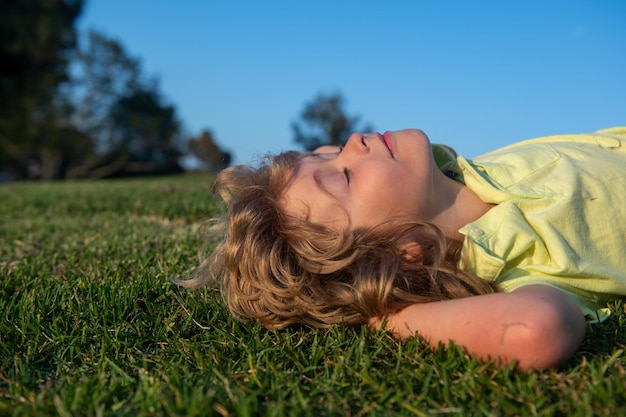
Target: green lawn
(92, 325)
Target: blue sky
(473, 74)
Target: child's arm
(538, 326)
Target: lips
(387, 141)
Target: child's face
(373, 178)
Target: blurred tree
(68, 112)
(208, 152)
(104, 74)
(107, 83)
(36, 41)
(325, 122)
(147, 130)
(123, 113)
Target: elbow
(546, 338)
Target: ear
(412, 252)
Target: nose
(356, 144)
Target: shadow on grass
(604, 340)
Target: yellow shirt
(560, 217)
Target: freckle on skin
(505, 328)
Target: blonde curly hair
(282, 270)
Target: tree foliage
(124, 113)
(204, 148)
(105, 73)
(147, 130)
(37, 39)
(71, 109)
(324, 121)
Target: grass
(92, 325)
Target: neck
(462, 206)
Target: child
(507, 255)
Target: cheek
(397, 195)
(381, 197)
(331, 216)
